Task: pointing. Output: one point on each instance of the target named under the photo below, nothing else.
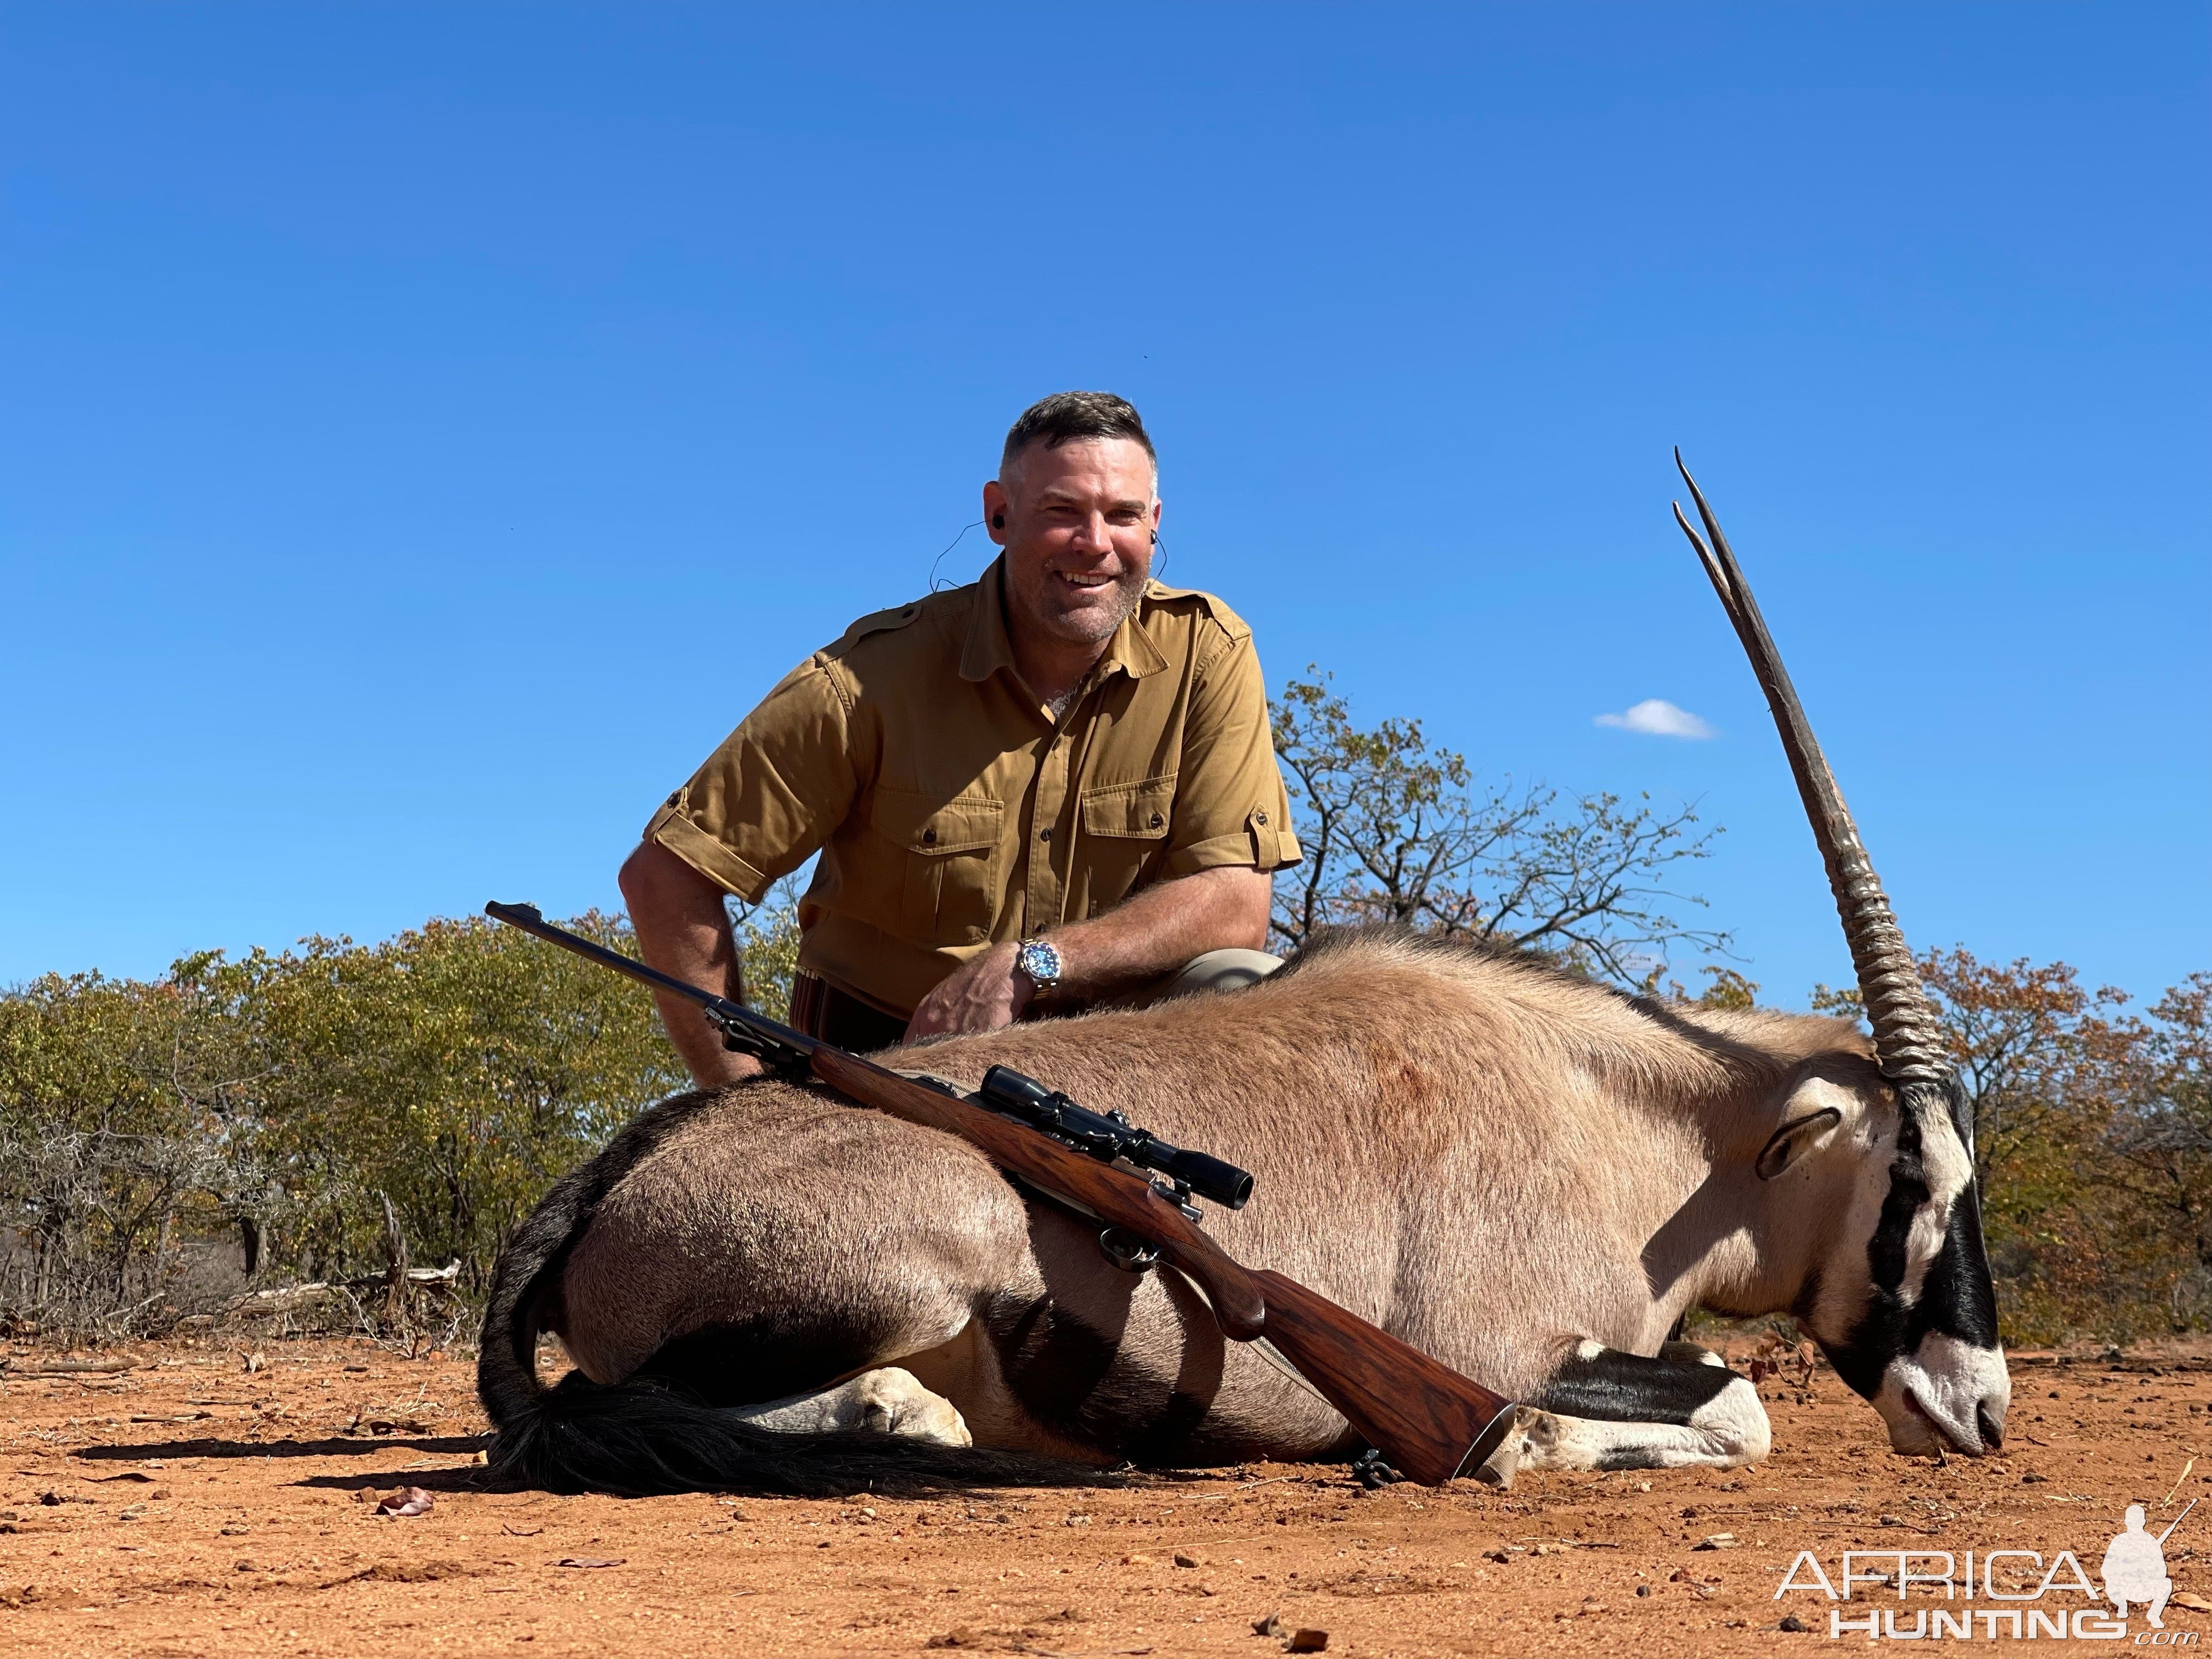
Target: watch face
(1039, 962)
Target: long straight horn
(1905, 1032)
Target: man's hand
(984, 994)
(1153, 933)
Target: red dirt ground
(191, 1506)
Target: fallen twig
(73, 1367)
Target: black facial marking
(1908, 1194)
(1613, 1387)
(1957, 1297)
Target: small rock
(1308, 1641)
(2032, 1479)
(1719, 1540)
(1137, 1560)
(1643, 1589)
(1271, 1626)
(1589, 1607)
(1792, 1622)
(1185, 1559)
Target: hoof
(891, 1400)
(1505, 1460)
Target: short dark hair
(1068, 418)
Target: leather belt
(821, 1010)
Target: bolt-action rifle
(1425, 1419)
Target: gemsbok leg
(1605, 1409)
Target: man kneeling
(1052, 787)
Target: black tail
(640, 1438)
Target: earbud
(998, 521)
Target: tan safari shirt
(951, 813)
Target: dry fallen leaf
(407, 1500)
(2193, 1601)
(590, 1561)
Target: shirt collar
(987, 648)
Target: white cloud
(1657, 717)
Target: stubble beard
(1092, 626)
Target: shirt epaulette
(1227, 620)
(877, 622)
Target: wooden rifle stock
(1427, 1420)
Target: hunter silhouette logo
(2134, 1566)
(2012, 1592)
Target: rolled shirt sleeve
(1230, 806)
(773, 792)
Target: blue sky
(424, 431)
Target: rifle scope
(1109, 1135)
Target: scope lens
(1210, 1178)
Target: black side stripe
(1614, 1386)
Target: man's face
(1078, 536)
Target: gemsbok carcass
(1530, 1176)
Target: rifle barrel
(723, 1011)
(2177, 1521)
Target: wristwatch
(1041, 962)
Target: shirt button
(929, 838)
(1258, 817)
(1156, 820)
(1044, 834)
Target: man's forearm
(683, 930)
(1159, 928)
(1154, 932)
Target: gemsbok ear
(1793, 1141)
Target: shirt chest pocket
(1125, 836)
(949, 850)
